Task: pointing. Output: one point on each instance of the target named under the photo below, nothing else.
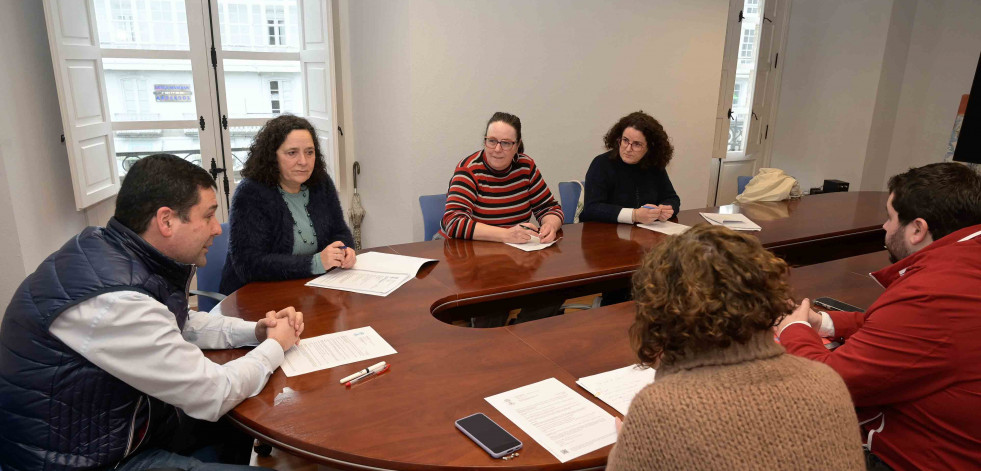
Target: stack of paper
(618, 387)
(736, 222)
(339, 348)
(559, 419)
(665, 227)
(374, 273)
(534, 244)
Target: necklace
(305, 195)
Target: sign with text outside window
(165, 93)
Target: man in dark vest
(100, 358)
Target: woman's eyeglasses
(491, 143)
(633, 145)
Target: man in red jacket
(913, 362)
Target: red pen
(369, 375)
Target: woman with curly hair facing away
(727, 396)
(629, 184)
(286, 220)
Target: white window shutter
(82, 94)
(317, 59)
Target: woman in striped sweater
(495, 191)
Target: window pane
(134, 145)
(142, 24)
(264, 27)
(742, 94)
(261, 89)
(241, 137)
(149, 89)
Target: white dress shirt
(136, 339)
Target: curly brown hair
(659, 148)
(263, 166)
(704, 290)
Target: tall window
(274, 103)
(145, 83)
(755, 35)
(747, 45)
(742, 96)
(276, 21)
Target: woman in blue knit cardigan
(286, 220)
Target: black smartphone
(496, 441)
(834, 304)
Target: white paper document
(665, 227)
(374, 273)
(339, 348)
(558, 418)
(736, 222)
(618, 387)
(534, 244)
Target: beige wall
(426, 75)
(828, 90)
(943, 56)
(36, 179)
(871, 87)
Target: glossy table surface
(404, 418)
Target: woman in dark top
(286, 220)
(629, 184)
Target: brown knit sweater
(744, 407)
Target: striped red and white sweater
(478, 193)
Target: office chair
(209, 276)
(741, 184)
(432, 207)
(569, 199)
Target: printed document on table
(736, 222)
(561, 420)
(618, 387)
(339, 348)
(374, 273)
(665, 227)
(534, 244)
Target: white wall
(888, 93)
(36, 173)
(870, 88)
(943, 56)
(427, 74)
(828, 91)
(10, 257)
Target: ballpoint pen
(369, 375)
(376, 367)
(532, 229)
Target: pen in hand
(528, 228)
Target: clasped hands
(802, 312)
(649, 213)
(337, 255)
(521, 233)
(284, 327)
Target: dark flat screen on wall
(969, 140)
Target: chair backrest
(741, 184)
(569, 199)
(209, 276)
(433, 207)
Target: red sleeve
(542, 202)
(846, 323)
(902, 351)
(457, 222)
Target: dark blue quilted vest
(58, 410)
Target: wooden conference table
(404, 418)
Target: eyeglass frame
(633, 145)
(505, 145)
